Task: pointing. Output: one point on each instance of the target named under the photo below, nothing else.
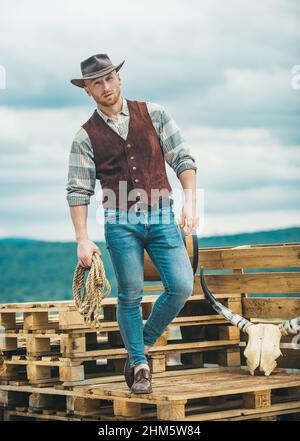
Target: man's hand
(85, 250)
(189, 220)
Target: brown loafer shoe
(129, 372)
(142, 382)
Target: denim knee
(130, 297)
(182, 289)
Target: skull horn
(231, 316)
(263, 347)
(290, 326)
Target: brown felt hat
(94, 67)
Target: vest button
(131, 157)
(136, 180)
(128, 145)
(133, 168)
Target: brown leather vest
(138, 161)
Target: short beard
(117, 96)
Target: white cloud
(248, 178)
(223, 71)
(234, 223)
(172, 48)
(231, 160)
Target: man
(125, 145)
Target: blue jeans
(126, 235)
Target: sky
(228, 72)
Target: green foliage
(36, 270)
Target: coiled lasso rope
(89, 303)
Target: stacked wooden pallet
(54, 367)
(41, 348)
(186, 395)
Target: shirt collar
(124, 111)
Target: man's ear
(87, 90)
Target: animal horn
(290, 326)
(233, 317)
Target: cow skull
(263, 346)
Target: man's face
(105, 90)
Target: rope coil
(89, 302)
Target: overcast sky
(222, 69)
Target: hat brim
(80, 82)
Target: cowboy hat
(94, 67)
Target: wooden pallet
(41, 403)
(58, 316)
(252, 397)
(52, 405)
(75, 348)
(265, 269)
(70, 371)
(200, 395)
(72, 342)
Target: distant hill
(40, 270)
(286, 235)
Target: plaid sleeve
(82, 171)
(176, 151)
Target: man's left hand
(189, 220)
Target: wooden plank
(76, 390)
(270, 283)
(37, 307)
(236, 414)
(195, 386)
(110, 326)
(113, 326)
(65, 305)
(251, 256)
(121, 353)
(9, 308)
(279, 307)
(155, 350)
(39, 416)
(277, 409)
